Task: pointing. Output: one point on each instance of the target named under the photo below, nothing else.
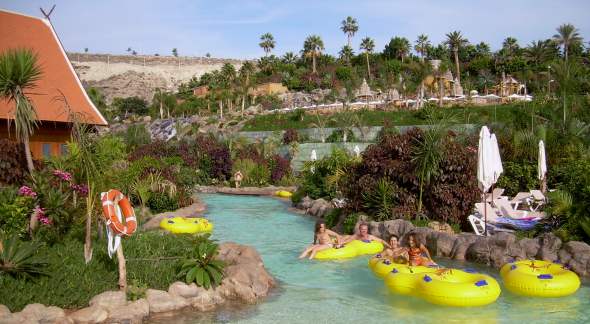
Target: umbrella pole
(485, 216)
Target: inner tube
(350, 250)
(403, 279)
(284, 194)
(183, 225)
(453, 287)
(537, 278)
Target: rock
(461, 244)
(441, 227)
(441, 244)
(134, 312)
(162, 301)
(90, 315)
(147, 119)
(4, 311)
(530, 247)
(319, 207)
(397, 227)
(376, 228)
(41, 313)
(206, 300)
(109, 299)
(576, 255)
(479, 251)
(549, 245)
(305, 203)
(183, 290)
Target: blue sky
(232, 28)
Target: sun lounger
(480, 226)
(507, 210)
(496, 194)
(539, 199)
(521, 197)
(491, 214)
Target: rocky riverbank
(493, 251)
(246, 281)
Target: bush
(202, 267)
(13, 167)
(254, 174)
(327, 176)
(338, 136)
(333, 217)
(14, 212)
(518, 177)
(298, 196)
(161, 202)
(290, 136)
(136, 135)
(132, 105)
(350, 222)
(280, 168)
(152, 258)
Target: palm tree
(455, 41)
(175, 52)
(419, 71)
(289, 58)
(245, 76)
(163, 100)
(349, 27)
(567, 35)
(267, 42)
(422, 44)
(228, 75)
(320, 124)
(18, 73)
(368, 45)
(313, 46)
(483, 49)
(568, 75)
(510, 46)
(398, 47)
(346, 53)
(537, 52)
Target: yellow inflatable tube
(452, 287)
(284, 194)
(539, 279)
(182, 225)
(350, 250)
(404, 279)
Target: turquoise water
(347, 291)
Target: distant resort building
(58, 96)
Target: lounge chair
(508, 211)
(521, 197)
(491, 214)
(496, 194)
(491, 226)
(539, 199)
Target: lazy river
(347, 291)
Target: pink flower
(40, 214)
(26, 191)
(63, 175)
(80, 188)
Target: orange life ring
(109, 200)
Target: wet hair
(318, 225)
(363, 224)
(416, 239)
(392, 236)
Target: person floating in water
(418, 254)
(323, 239)
(363, 235)
(395, 253)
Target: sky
(232, 29)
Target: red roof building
(58, 82)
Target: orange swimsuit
(415, 255)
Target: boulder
(134, 312)
(461, 244)
(90, 315)
(161, 301)
(4, 311)
(376, 228)
(397, 227)
(479, 251)
(206, 300)
(576, 255)
(41, 313)
(183, 290)
(441, 227)
(109, 299)
(549, 245)
(320, 207)
(441, 244)
(305, 203)
(530, 247)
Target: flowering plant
(26, 191)
(63, 175)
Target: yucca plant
(18, 259)
(202, 267)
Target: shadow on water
(345, 291)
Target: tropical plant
(19, 73)
(175, 52)
(320, 125)
(368, 45)
(422, 44)
(18, 259)
(349, 26)
(567, 36)
(267, 43)
(456, 41)
(313, 46)
(397, 48)
(346, 54)
(428, 155)
(202, 267)
(380, 200)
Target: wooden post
(122, 269)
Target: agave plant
(18, 258)
(202, 268)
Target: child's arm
(425, 251)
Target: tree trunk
(161, 109)
(28, 155)
(243, 104)
(565, 51)
(313, 63)
(456, 51)
(441, 89)
(368, 66)
(88, 239)
(122, 269)
(220, 109)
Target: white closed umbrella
(357, 150)
(542, 167)
(313, 158)
(489, 164)
(497, 160)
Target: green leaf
(202, 249)
(190, 276)
(206, 280)
(215, 275)
(200, 274)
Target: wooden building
(57, 96)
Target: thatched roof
(364, 90)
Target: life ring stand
(110, 201)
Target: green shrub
(333, 217)
(297, 196)
(202, 267)
(350, 222)
(19, 259)
(518, 177)
(14, 212)
(338, 136)
(254, 174)
(160, 202)
(152, 260)
(136, 135)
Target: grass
(462, 115)
(72, 283)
